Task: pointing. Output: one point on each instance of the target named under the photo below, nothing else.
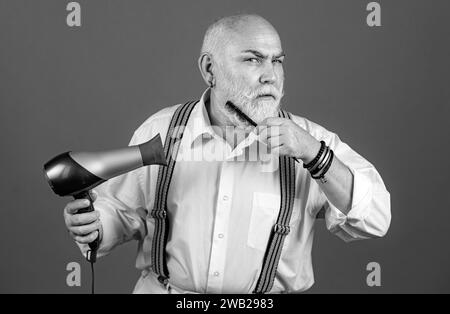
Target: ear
(205, 64)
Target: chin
(266, 109)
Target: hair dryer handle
(92, 254)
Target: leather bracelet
(319, 154)
(326, 168)
(319, 171)
(319, 164)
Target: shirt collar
(199, 128)
(199, 125)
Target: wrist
(311, 151)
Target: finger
(83, 219)
(74, 206)
(85, 229)
(274, 142)
(273, 121)
(87, 238)
(93, 195)
(274, 131)
(268, 133)
(279, 150)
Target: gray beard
(257, 110)
(246, 101)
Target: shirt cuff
(361, 198)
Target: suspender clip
(158, 213)
(281, 229)
(163, 280)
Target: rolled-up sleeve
(370, 213)
(122, 207)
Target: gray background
(383, 90)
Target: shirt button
(220, 235)
(225, 198)
(216, 274)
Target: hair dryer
(75, 173)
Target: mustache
(272, 91)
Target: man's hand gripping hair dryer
(75, 173)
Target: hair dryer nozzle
(66, 177)
(152, 152)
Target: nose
(268, 75)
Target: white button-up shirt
(222, 206)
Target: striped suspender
(281, 227)
(159, 212)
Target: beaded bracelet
(319, 154)
(325, 169)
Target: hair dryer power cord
(91, 261)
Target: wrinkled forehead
(254, 36)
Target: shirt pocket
(265, 209)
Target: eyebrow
(260, 55)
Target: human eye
(280, 61)
(253, 60)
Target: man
(222, 210)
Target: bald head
(234, 28)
